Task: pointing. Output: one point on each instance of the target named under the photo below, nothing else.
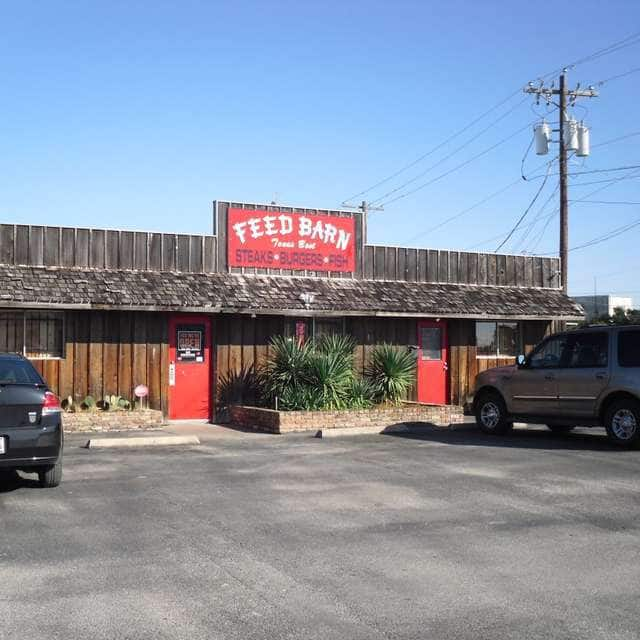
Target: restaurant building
(101, 311)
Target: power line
(612, 48)
(438, 146)
(584, 184)
(462, 164)
(630, 40)
(582, 173)
(613, 233)
(448, 156)
(606, 202)
(620, 75)
(537, 217)
(526, 211)
(470, 208)
(606, 142)
(610, 182)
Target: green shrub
(392, 371)
(320, 374)
(239, 387)
(362, 393)
(330, 375)
(286, 372)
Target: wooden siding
(110, 352)
(34, 245)
(243, 343)
(39, 246)
(459, 267)
(464, 365)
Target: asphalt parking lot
(447, 535)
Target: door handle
(549, 376)
(601, 376)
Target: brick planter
(271, 421)
(112, 420)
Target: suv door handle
(549, 376)
(601, 376)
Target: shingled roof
(105, 289)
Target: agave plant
(392, 371)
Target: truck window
(629, 348)
(587, 350)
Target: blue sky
(139, 114)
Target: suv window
(629, 348)
(586, 350)
(14, 371)
(549, 354)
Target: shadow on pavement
(521, 438)
(12, 480)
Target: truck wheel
(622, 422)
(50, 477)
(491, 414)
(561, 428)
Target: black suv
(586, 377)
(31, 434)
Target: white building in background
(598, 305)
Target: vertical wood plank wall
(42, 246)
(464, 365)
(110, 352)
(241, 344)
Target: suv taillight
(51, 404)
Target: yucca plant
(338, 344)
(238, 386)
(330, 374)
(362, 393)
(392, 371)
(286, 371)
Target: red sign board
(278, 240)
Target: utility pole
(577, 139)
(365, 207)
(564, 203)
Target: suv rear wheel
(622, 422)
(491, 414)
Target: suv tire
(561, 428)
(491, 414)
(50, 477)
(622, 422)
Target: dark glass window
(549, 354)
(497, 339)
(587, 350)
(328, 326)
(43, 335)
(629, 348)
(487, 338)
(11, 332)
(36, 334)
(431, 343)
(18, 372)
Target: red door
(432, 362)
(189, 367)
